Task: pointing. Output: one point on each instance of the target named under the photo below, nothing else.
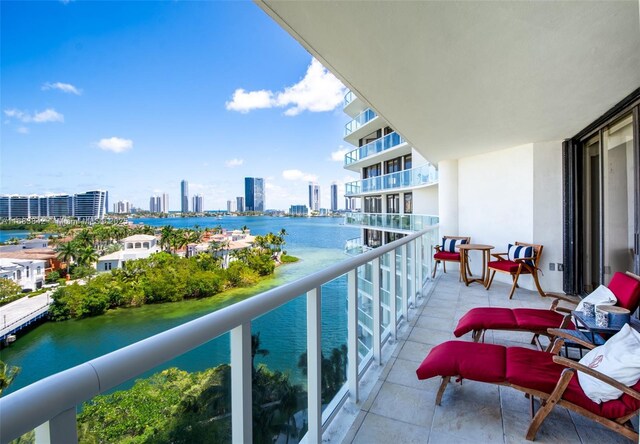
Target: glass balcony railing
(404, 222)
(362, 118)
(377, 146)
(355, 246)
(51, 405)
(348, 98)
(422, 175)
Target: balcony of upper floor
(419, 177)
(385, 148)
(352, 105)
(389, 222)
(364, 123)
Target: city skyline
(138, 119)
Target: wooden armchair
(515, 266)
(448, 256)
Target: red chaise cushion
(484, 318)
(470, 360)
(537, 319)
(626, 289)
(447, 256)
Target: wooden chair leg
(444, 266)
(435, 268)
(549, 404)
(515, 283)
(443, 387)
(490, 281)
(537, 282)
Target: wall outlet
(552, 266)
(560, 267)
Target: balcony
(381, 399)
(364, 152)
(355, 246)
(424, 175)
(359, 126)
(391, 222)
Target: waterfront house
(529, 112)
(28, 273)
(138, 246)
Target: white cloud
(23, 130)
(231, 163)
(115, 144)
(64, 87)
(338, 155)
(318, 91)
(244, 101)
(48, 115)
(299, 175)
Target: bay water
(318, 242)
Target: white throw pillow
(600, 296)
(618, 358)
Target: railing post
(414, 273)
(352, 333)
(419, 270)
(241, 384)
(62, 429)
(377, 334)
(392, 295)
(314, 360)
(405, 282)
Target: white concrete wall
(547, 214)
(514, 195)
(425, 200)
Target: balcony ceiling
(463, 78)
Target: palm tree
(256, 350)
(66, 253)
(166, 235)
(84, 238)
(7, 375)
(87, 256)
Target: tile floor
(401, 409)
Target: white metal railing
(422, 175)
(50, 405)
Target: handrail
(47, 305)
(379, 145)
(19, 413)
(412, 177)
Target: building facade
(184, 196)
(90, 205)
(314, 196)
(299, 210)
(254, 195)
(334, 197)
(198, 203)
(240, 204)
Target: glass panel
(591, 214)
(279, 358)
(619, 197)
(365, 311)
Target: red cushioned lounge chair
(538, 374)
(525, 261)
(445, 255)
(625, 286)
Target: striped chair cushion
(450, 244)
(519, 251)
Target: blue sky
(133, 97)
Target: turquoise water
(319, 242)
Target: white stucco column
(448, 197)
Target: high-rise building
(254, 194)
(240, 204)
(314, 196)
(198, 202)
(184, 196)
(334, 196)
(299, 210)
(165, 203)
(232, 206)
(86, 206)
(122, 207)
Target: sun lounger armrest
(561, 333)
(596, 374)
(633, 275)
(563, 297)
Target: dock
(20, 314)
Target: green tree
(7, 374)
(67, 252)
(8, 288)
